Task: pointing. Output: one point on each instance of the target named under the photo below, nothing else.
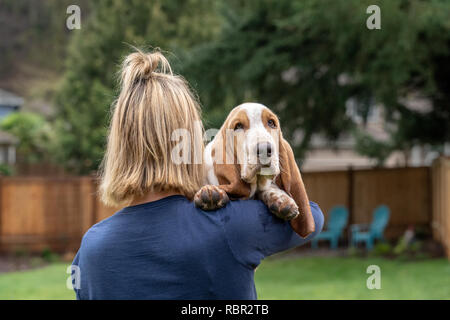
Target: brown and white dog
(248, 158)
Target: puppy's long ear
(227, 168)
(290, 180)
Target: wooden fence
(406, 191)
(441, 203)
(40, 212)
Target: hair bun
(139, 65)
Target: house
(9, 103)
(341, 155)
(324, 155)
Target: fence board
(40, 212)
(405, 191)
(327, 189)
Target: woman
(160, 246)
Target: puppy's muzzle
(264, 153)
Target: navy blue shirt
(169, 249)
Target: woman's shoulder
(249, 204)
(95, 231)
(255, 206)
(245, 214)
(245, 211)
(248, 214)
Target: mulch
(9, 263)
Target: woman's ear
(227, 168)
(290, 180)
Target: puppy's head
(251, 136)
(250, 143)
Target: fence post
(350, 194)
(441, 202)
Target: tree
(32, 132)
(28, 28)
(306, 59)
(94, 56)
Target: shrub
(49, 256)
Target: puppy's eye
(271, 123)
(238, 126)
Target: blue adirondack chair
(335, 225)
(376, 229)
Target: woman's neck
(153, 196)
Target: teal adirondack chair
(376, 229)
(335, 225)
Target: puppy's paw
(210, 198)
(281, 204)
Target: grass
(345, 278)
(283, 278)
(44, 283)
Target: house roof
(10, 99)
(6, 138)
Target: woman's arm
(254, 233)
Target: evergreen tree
(94, 56)
(305, 59)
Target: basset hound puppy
(248, 158)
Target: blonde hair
(153, 102)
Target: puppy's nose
(264, 149)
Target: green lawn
(285, 278)
(45, 283)
(345, 278)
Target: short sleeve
(254, 233)
(74, 273)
